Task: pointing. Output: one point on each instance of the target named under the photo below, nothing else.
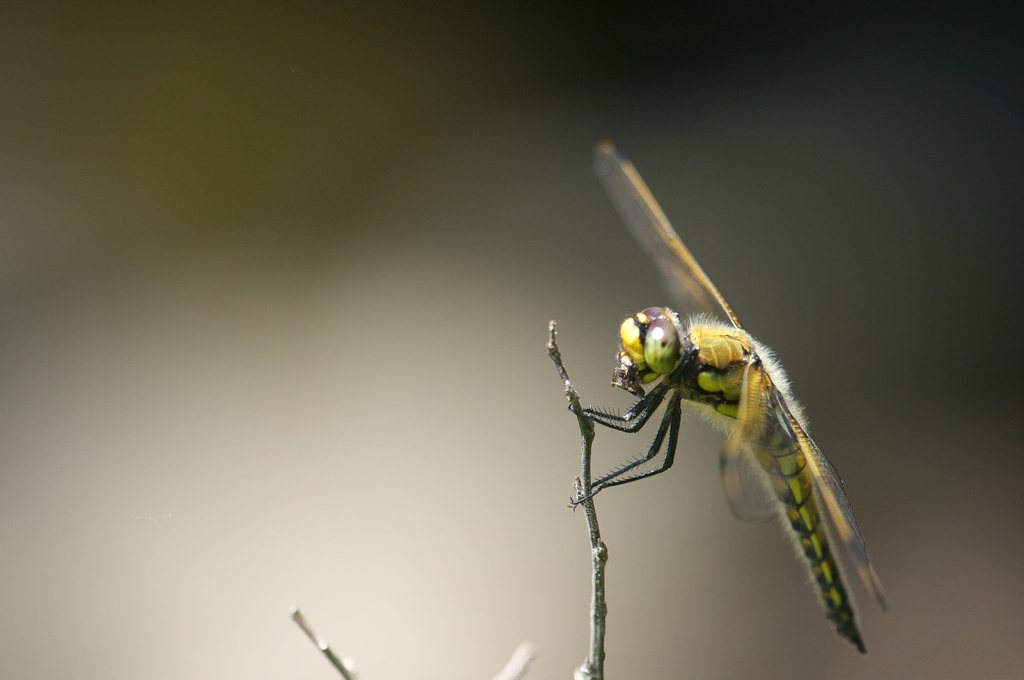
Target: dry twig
(593, 667)
(344, 666)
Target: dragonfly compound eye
(632, 343)
(661, 345)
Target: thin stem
(344, 666)
(519, 663)
(593, 667)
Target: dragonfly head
(651, 346)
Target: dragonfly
(706, 363)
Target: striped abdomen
(784, 462)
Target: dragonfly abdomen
(791, 482)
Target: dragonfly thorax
(720, 348)
(722, 358)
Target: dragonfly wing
(829, 487)
(747, 487)
(652, 229)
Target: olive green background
(274, 289)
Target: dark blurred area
(274, 288)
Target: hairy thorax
(717, 378)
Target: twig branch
(344, 666)
(520, 662)
(593, 667)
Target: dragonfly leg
(669, 428)
(635, 418)
(670, 425)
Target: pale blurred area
(275, 282)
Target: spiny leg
(673, 415)
(635, 418)
(670, 426)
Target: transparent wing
(829, 487)
(746, 485)
(651, 228)
(747, 488)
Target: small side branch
(519, 663)
(593, 667)
(344, 666)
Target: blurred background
(274, 289)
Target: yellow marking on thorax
(724, 354)
(730, 410)
(719, 348)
